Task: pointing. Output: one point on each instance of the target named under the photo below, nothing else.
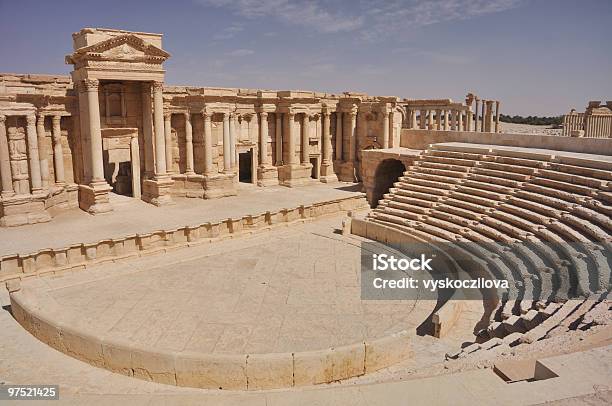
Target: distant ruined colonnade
(595, 122)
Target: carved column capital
(263, 115)
(89, 85)
(2, 118)
(167, 115)
(31, 119)
(157, 86)
(206, 115)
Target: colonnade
(37, 162)
(595, 122)
(446, 115)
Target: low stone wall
(38, 313)
(79, 256)
(421, 139)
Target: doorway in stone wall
(387, 173)
(121, 160)
(314, 172)
(245, 166)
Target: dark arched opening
(387, 173)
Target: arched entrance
(387, 173)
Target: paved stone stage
(286, 292)
(135, 216)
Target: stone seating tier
(468, 195)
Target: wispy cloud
(228, 32)
(312, 14)
(241, 52)
(372, 19)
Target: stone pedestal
(219, 185)
(327, 173)
(346, 171)
(267, 175)
(204, 186)
(19, 210)
(93, 198)
(157, 191)
(292, 175)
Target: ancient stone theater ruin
(218, 238)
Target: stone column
(385, 140)
(265, 173)
(93, 197)
(188, 145)
(459, 120)
(353, 137)
(413, 119)
(232, 137)
(482, 115)
(305, 139)
(446, 123)
(168, 140)
(5, 161)
(327, 168)
(263, 139)
(430, 120)
(208, 153)
(95, 134)
(279, 138)
(438, 119)
(489, 116)
(58, 153)
(44, 164)
(497, 128)
(476, 112)
(291, 138)
(468, 118)
(392, 140)
(32, 139)
(158, 116)
(135, 155)
(227, 148)
(147, 129)
(339, 135)
(422, 119)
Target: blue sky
(539, 57)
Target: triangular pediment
(127, 47)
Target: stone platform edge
(48, 261)
(38, 313)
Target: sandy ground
(512, 128)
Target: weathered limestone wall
(39, 147)
(420, 139)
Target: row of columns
(598, 126)
(38, 166)
(440, 119)
(481, 119)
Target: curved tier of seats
(538, 220)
